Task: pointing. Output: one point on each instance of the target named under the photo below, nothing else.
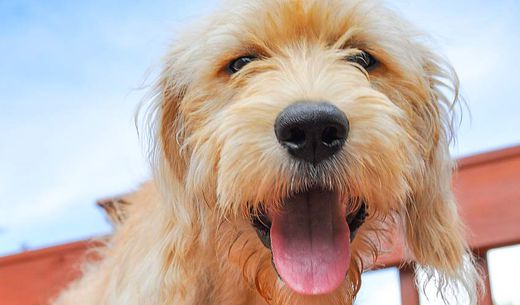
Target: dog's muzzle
(310, 234)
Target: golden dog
(288, 137)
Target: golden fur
(215, 156)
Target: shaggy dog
(288, 138)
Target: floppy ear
(434, 231)
(184, 264)
(170, 94)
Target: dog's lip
(262, 223)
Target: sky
(72, 74)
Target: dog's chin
(310, 237)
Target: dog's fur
(216, 157)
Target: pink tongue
(310, 241)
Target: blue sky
(71, 77)
(70, 82)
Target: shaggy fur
(215, 157)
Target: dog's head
(293, 132)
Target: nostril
(295, 138)
(311, 131)
(333, 136)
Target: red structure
(34, 277)
(487, 187)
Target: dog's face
(297, 131)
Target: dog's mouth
(309, 238)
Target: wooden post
(409, 293)
(487, 298)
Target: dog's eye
(237, 64)
(364, 59)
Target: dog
(288, 139)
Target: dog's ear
(170, 95)
(434, 231)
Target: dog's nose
(312, 131)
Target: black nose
(312, 131)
